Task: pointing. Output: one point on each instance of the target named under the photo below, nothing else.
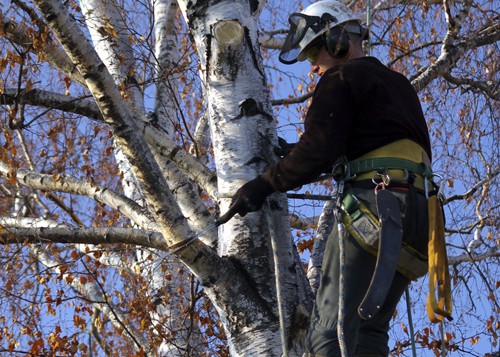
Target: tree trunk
(243, 135)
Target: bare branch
(299, 99)
(70, 184)
(303, 223)
(25, 222)
(54, 54)
(488, 88)
(52, 100)
(76, 235)
(473, 189)
(269, 40)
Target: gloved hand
(284, 148)
(249, 198)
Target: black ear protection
(336, 40)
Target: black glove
(284, 148)
(249, 198)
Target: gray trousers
(362, 337)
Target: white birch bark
(167, 55)
(73, 185)
(120, 116)
(109, 34)
(243, 133)
(325, 226)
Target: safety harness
(403, 163)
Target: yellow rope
(439, 304)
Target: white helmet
(311, 23)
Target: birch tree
(128, 126)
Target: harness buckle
(342, 171)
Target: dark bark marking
(254, 5)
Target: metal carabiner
(384, 178)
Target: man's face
(323, 61)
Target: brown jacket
(356, 107)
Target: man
(360, 111)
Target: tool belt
(411, 167)
(365, 227)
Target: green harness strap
(360, 166)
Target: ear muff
(337, 41)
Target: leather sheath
(391, 236)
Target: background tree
(126, 128)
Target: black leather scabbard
(389, 248)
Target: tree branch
(110, 37)
(268, 40)
(52, 100)
(303, 223)
(487, 87)
(120, 116)
(473, 189)
(80, 235)
(155, 137)
(451, 53)
(72, 185)
(167, 148)
(295, 100)
(325, 227)
(55, 55)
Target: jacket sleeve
(327, 128)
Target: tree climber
(365, 125)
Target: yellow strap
(402, 149)
(439, 306)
